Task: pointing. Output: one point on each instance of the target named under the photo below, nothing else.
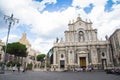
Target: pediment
(82, 52)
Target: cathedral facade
(81, 48)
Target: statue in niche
(81, 36)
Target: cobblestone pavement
(40, 75)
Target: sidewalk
(39, 70)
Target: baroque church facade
(81, 48)
(31, 57)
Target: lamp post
(11, 22)
(45, 66)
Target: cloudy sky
(44, 20)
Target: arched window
(81, 36)
(103, 54)
(70, 52)
(62, 56)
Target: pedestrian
(18, 68)
(14, 68)
(24, 69)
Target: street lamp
(45, 66)
(11, 22)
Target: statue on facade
(106, 37)
(61, 40)
(57, 39)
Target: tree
(16, 49)
(41, 57)
(29, 66)
(10, 63)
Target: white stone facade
(81, 48)
(115, 47)
(1, 51)
(31, 57)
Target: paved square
(34, 75)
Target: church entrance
(62, 63)
(104, 64)
(82, 61)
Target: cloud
(2, 22)
(85, 3)
(42, 45)
(105, 22)
(12, 38)
(116, 1)
(41, 5)
(27, 11)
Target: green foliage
(16, 49)
(42, 66)
(18, 64)
(41, 57)
(29, 66)
(11, 63)
(1, 63)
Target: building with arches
(81, 48)
(32, 54)
(115, 47)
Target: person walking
(24, 69)
(14, 68)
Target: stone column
(108, 56)
(87, 61)
(54, 58)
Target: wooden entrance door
(104, 63)
(83, 61)
(62, 63)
